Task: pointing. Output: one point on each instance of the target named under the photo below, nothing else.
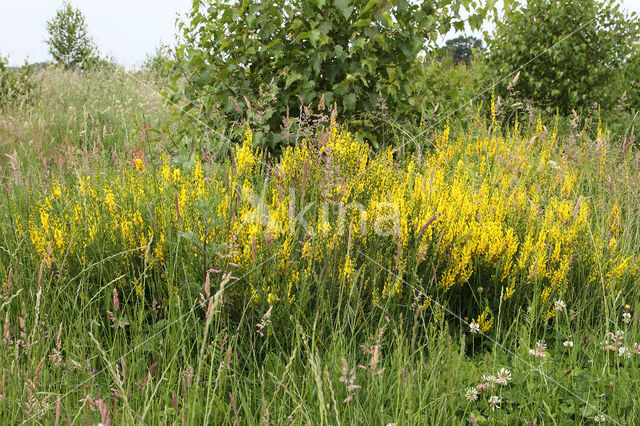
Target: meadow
(474, 272)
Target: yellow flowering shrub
(509, 211)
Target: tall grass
(77, 121)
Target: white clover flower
(474, 328)
(600, 418)
(504, 376)
(559, 305)
(539, 351)
(568, 343)
(494, 402)
(636, 348)
(624, 352)
(488, 378)
(471, 394)
(626, 318)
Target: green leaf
(364, 22)
(368, 7)
(344, 8)
(350, 101)
(292, 78)
(314, 37)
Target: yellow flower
(484, 321)
(244, 155)
(139, 164)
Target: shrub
(516, 215)
(159, 63)
(359, 55)
(15, 83)
(570, 52)
(447, 91)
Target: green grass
(77, 121)
(326, 359)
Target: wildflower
(494, 402)
(490, 381)
(624, 352)
(471, 394)
(244, 156)
(474, 328)
(612, 341)
(57, 193)
(636, 348)
(626, 318)
(176, 175)
(484, 321)
(606, 346)
(600, 418)
(568, 343)
(139, 164)
(504, 376)
(619, 337)
(266, 320)
(539, 351)
(559, 305)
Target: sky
(126, 30)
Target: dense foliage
(461, 48)
(359, 55)
(572, 53)
(15, 83)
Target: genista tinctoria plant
(357, 55)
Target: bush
(520, 220)
(357, 55)
(15, 83)
(448, 91)
(570, 52)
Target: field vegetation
(168, 259)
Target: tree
(69, 41)
(159, 63)
(571, 53)
(461, 48)
(355, 54)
